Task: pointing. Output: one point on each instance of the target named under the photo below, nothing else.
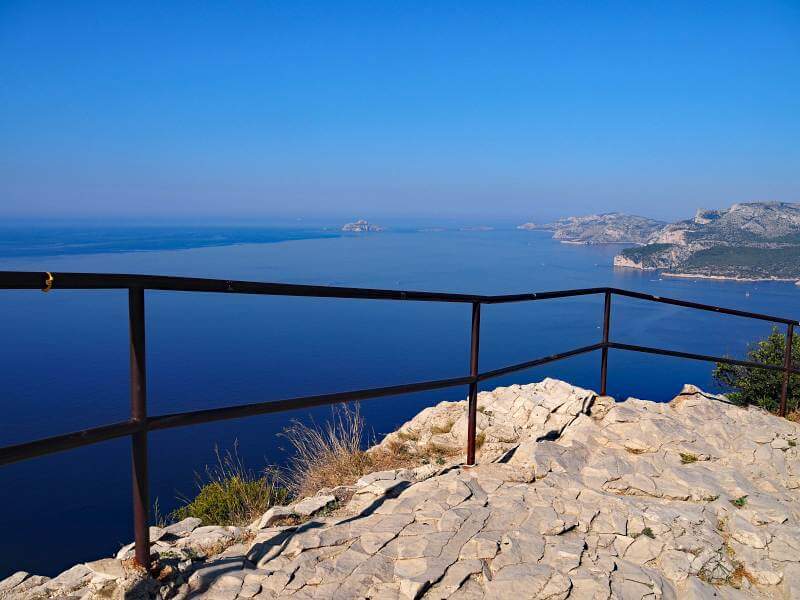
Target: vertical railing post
(604, 350)
(472, 404)
(787, 367)
(141, 500)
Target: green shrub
(231, 494)
(687, 458)
(762, 387)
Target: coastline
(794, 280)
(663, 273)
(579, 243)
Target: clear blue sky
(381, 109)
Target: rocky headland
(756, 241)
(608, 228)
(753, 241)
(574, 496)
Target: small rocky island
(608, 228)
(574, 496)
(361, 226)
(753, 241)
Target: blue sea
(64, 354)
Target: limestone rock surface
(574, 496)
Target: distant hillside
(759, 240)
(609, 228)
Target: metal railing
(140, 423)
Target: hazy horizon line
(379, 217)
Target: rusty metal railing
(140, 423)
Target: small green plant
(231, 494)
(440, 460)
(329, 510)
(192, 554)
(647, 532)
(792, 443)
(740, 502)
(688, 458)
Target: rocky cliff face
(609, 228)
(574, 496)
(759, 240)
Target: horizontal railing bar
(703, 357)
(59, 443)
(86, 281)
(67, 441)
(262, 408)
(89, 281)
(538, 361)
(502, 299)
(698, 306)
(97, 281)
(10, 454)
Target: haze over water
(65, 354)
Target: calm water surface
(64, 357)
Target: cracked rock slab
(574, 496)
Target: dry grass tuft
(441, 429)
(332, 455)
(739, 573)
(325, 457)
(408, 437)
